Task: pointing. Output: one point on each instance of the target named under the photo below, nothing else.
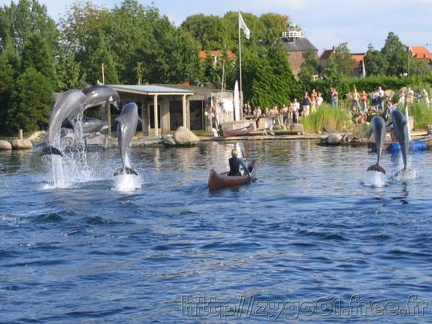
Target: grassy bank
(340, 120)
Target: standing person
(257, 115)
(374, 97)
(235, 162)
(313, 96)
(334, 97)
(364, 98)
(355, 96)
(284, 112)
(330, 96)
(425, 96)
(274, 114)
(295, 111)
(319, 100)
(409, 95)
(380, 98)
(306, 104)
(313, 105)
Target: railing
(8, 139)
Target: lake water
(315, 239)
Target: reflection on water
(314, 227)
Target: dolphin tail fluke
(376, 167)
(125, 170)
(51, 150)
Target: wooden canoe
(223, 180)
(238, 132)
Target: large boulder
(5, 145)
(333, 139)
(37, 136)
(21, 144)
(183, 136)
(168, 140)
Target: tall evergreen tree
(272, 81)
(309, 70)
(30, 103)
(37, 54)
(397, 55)
(7, 76)
(375, 62)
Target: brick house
(297, 46)
(216, 55)
(357, 67)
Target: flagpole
(240, 55)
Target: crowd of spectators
(361, 105)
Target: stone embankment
(184, 137)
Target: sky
(325, 23)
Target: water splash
(375, 179)
(127, 182)
(72, 167)
(401, 174)
(407, 174)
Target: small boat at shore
(238, 132)
(223, 180)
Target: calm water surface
(315, 239)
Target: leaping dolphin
(379, 131)
(99, 95)
(67, 103)
(400, 129)
(127, 123)
(90, 127)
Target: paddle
(242, 149)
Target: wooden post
(108, 110)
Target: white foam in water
(375, 179)
(70, 168)
(127, 182)
(408, 174)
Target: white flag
(243, 26)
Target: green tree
(375, 62)
(68, 71)
(270, 77)
(19, 20)
(101, 67)
(212, 32)
(339, 66)
(29, 109)
(343, 60)
(36, 53)
(309, 70)
(176, 56)
(7, 76)
(417, 67)
(332, 74)
(397, 56)
(141, 39)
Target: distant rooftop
(149, 89)
(299, 45)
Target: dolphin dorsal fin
(85, 85)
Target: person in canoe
(235, 162)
